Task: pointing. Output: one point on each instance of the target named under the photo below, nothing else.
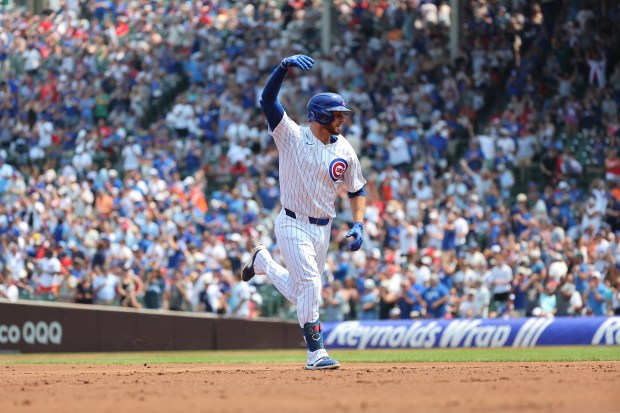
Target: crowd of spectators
(98, 208)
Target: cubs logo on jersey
(337, 168)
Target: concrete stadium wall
(32, 327)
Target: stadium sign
(524, 332)
(32, 333)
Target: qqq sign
(32, 333)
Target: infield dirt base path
(416, 387)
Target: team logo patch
(337, 168)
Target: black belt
(315, 221)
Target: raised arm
(269, 98)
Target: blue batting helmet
(321, 106)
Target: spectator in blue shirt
(410, 297)
(438, 144)
(435, 298)
(155, 290)
(104, 287)
(369, 301)
(474, 157)
(595, 295)
(269, 195)
(580, 269)
(500, 159)
(521, 216)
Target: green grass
(538, 354)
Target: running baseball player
(314, 162)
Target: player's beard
(333, 129)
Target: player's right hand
(299, 60)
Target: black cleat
(247, 271)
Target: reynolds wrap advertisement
(523, 332)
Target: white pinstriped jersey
(311, 173)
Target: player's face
(335, 127)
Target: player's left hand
(357, 232)
(299, 60)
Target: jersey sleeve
(353, 178)
(286, 133)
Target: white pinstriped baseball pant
(304, 248)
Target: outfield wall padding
(33, 327)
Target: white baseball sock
(314, 356)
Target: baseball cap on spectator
(39, 207)
(596, 274)
(496, 249)
(521, 197)
(524, 270)
(189, 181)
(426, 260)
(564, 186)
(369, 284)
(375, 253)
(88, 197)
(523, 260)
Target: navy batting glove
(357, 232)
(299, 60)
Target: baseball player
(314, 162)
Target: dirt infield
(442, 387)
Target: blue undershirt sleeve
(361, 192)
(269, 98)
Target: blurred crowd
(98, 209)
